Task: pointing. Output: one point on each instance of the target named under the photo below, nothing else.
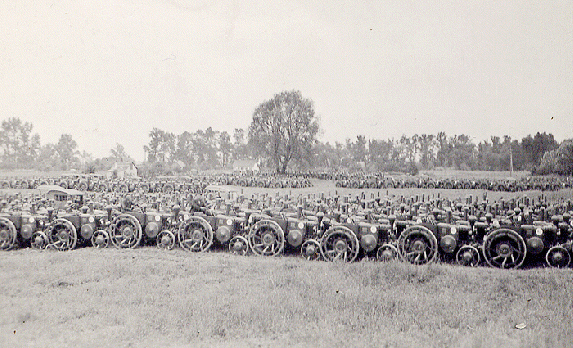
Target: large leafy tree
(119, 154)
(18, 146)
(66, 149)
(284, 129)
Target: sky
(109, 71)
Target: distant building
(246, 166)
(122, 170)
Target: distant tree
(358, 149)
(118, 154)
(284, 129)
(161, 147)
(66, 148)
(226, 147)
(241, 148)
(184, 149)
(18, 147)
(535, 147)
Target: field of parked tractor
(230, 260)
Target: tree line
(283, 135)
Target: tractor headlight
(229, 222)
(453, 230)
(157, 218)
(301, 225)
(31, 219)
(91, 219)
(539, 232)
(349, 221)
(186, 217)
(373, 229)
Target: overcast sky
(108, 71)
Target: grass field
(148, 297)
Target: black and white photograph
(303, 173)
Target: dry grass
(148, 297)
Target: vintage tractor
(470, 242)
(21, 229)
(559, 255)
(158, 227)
(229, 230)
(310, 247)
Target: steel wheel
(239, 245)
(418, 245)
(387, 252)
(558, 257)
(126, 232)
(62, 235)
(310, 249)
(468, 256)
(168, 188)
(339, 244)
(195, 234)
(504, 248)
(8, 234)
(100, 239)
(166, 240)
(39, 240)
(266, 238)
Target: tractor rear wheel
(266, 238)
(418, 245)
(8, 234)
(195, 234)
(126, 232)
(62, 235)
(339, 243)
(504, 248)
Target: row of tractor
(166, 185)
(503, 185)
(419, 230)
